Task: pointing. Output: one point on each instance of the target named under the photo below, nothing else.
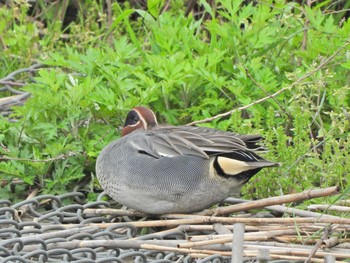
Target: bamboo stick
(114, 212)
(225, 220)
(283, 209)
(24, 208)
(308, 194)
(318, 244)
(253, 237)
(343, 202)
(274, 253)
(336, 208)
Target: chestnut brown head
(139, 118)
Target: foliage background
(187, 62)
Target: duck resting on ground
(176, 169)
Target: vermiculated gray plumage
(178, 169)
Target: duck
(159, 169)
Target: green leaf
(154, 7)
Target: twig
(59, 157)
(308, 74)
(120, 244)
(308, 194)
(114, 212)
(205, 252)
(221, 229)
(121, 212)
(255, 236)
(240, 108)
(224, 220)
(180, 230)
(10, 80)
(305, 35)
(324, 236)
(109, 22)
(274, 253)
(331, 241)
(337, 208)
(12, 83)
(343, 202)
(265, 91)
(283, 209)
(14, 181)
(23, 209)
(32, 68)
(13, 100)
(166, 6)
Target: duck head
(139, 118)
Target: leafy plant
(186, 68)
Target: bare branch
(308, 194)
(12, 83)
(298, 81)
(59, 157)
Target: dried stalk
(337, 208)
(260, 236)
(291, 254)
(330, 242)
(283, 209)
(343, 202)
(180, 230)
(221, 229)
(14, 181)
(24, 208)
(59, 157)
(324, 236)
(11, 83)
(296, 250)
(114, 212)
(122, 244)
(225, 220)
(14, 100)
(206, 252)
(308, 194)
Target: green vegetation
(186, 68)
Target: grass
(186, 68)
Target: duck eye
(132, 118)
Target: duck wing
(191, 140)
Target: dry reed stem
(343, 202)
(224, 220)
(277, 250)
(308, 194)
(291, 254)
(260, 236)
(337, 208)
(187, 251)
(282, 209)
(24, 208)
(331, 242)
(256, 232)
(114, 212)
(267, 202)
(326, 232)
